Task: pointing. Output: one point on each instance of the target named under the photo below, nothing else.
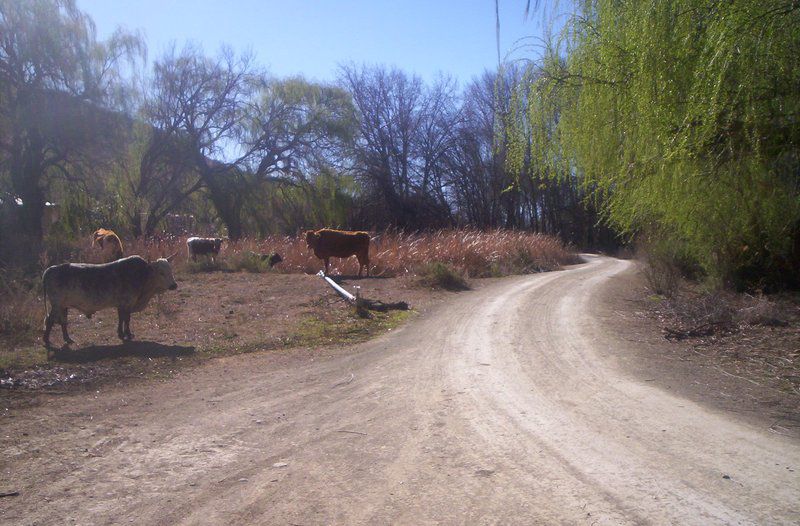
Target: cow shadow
(140, 349)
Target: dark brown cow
(272, 259)
(109, 243)
(328, 243)
(127, 284)
(203, 246)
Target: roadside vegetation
(679, 119)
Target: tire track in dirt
(502, 406)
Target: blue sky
(456, 37)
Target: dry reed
(472, 253)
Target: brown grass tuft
(21, 310)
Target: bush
(249, 262)
(203, 265)
(21, 310)
(662, 276)
(666, 261)
(439, 275)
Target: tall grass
(472, 253)
(440, 259)
(21, 311)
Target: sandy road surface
(502, 406)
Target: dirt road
(503, 406)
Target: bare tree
(234, 129)
(398, 152)
(201, 104)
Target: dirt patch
(733, 353)
(211, 314)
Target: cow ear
(169, 258)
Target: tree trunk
(227, 200)
(26, 172)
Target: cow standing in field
(109, 243)
(127, 284)
(328, 243)
(203, 246)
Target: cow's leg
(67, 339)
(128, 333)
(48, 326)
(363, 261)
(327, 264)
(120, 323)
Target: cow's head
(163, 275)
(274, 259)
(217, 244)
(311, 239)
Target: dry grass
(755, 338)
(471, 253)
(21, 311)
(444, 259)
(442, 276)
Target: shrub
(666, 261)
(247, 261)
(439, 275)
(21, 310)
(203, 265)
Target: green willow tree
(682, 117)
(58, 86)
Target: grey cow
(127, 284)
(203, 246)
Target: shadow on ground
(342, 278)
(143, 349)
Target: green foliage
(682, 114)
(247, 261)
(203, 264)
(324, 200)
(57, 83)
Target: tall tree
(397, 155)
(201, 103)
(682, 115)
(55, 80)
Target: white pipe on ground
(343, 293)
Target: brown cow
(109, 243)
(127, 284)
(328, 243)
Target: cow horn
(171, 256)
